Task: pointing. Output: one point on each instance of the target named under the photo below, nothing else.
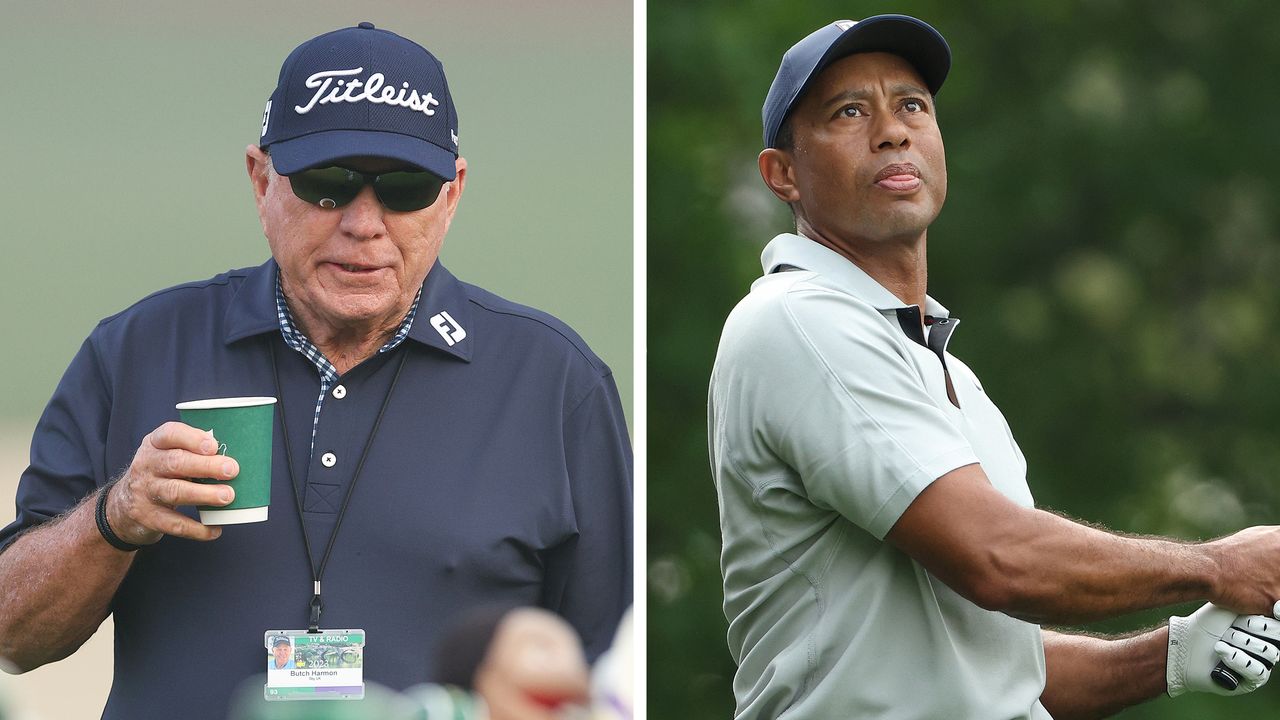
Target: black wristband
(105, 528)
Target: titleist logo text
(331, 87)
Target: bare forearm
(1060, 571)
(56, 585)
(1092, 677)
(56, 582)
(1044, 568)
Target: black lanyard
(318, 573)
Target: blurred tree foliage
(1110, 239)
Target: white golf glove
(1247, 645)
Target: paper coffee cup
(243, 427)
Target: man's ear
(777, 172)
(454, 193)
(258, 164)
(255, 161)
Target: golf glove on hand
(1248, 645)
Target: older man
(882, 555)
(281, 653)
(437, 447)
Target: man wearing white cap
(882, 554)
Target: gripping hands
(1247, 645)
(140, 506)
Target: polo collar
(443, 320)
(253, 309)
(789, 249)
(444, 314)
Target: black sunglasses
(333, 187)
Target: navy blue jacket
(501, 474)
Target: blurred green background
(1110, 240)
(124, 126)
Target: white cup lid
(234, 402)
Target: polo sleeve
(588, 579)
(68, 447)
(864, 434)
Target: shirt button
(340, 392)
(328, 459)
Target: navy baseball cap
(361, 91)
(280, 640)
(913, 40)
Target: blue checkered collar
(296, 339)
(443, 304)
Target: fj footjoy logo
(266, 118)
(454, 136)
(335, 86)
(448, 328)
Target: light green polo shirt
(825, 422)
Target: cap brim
(904, 36)
(326, 148)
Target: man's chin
(361, 312)
(902, 222)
